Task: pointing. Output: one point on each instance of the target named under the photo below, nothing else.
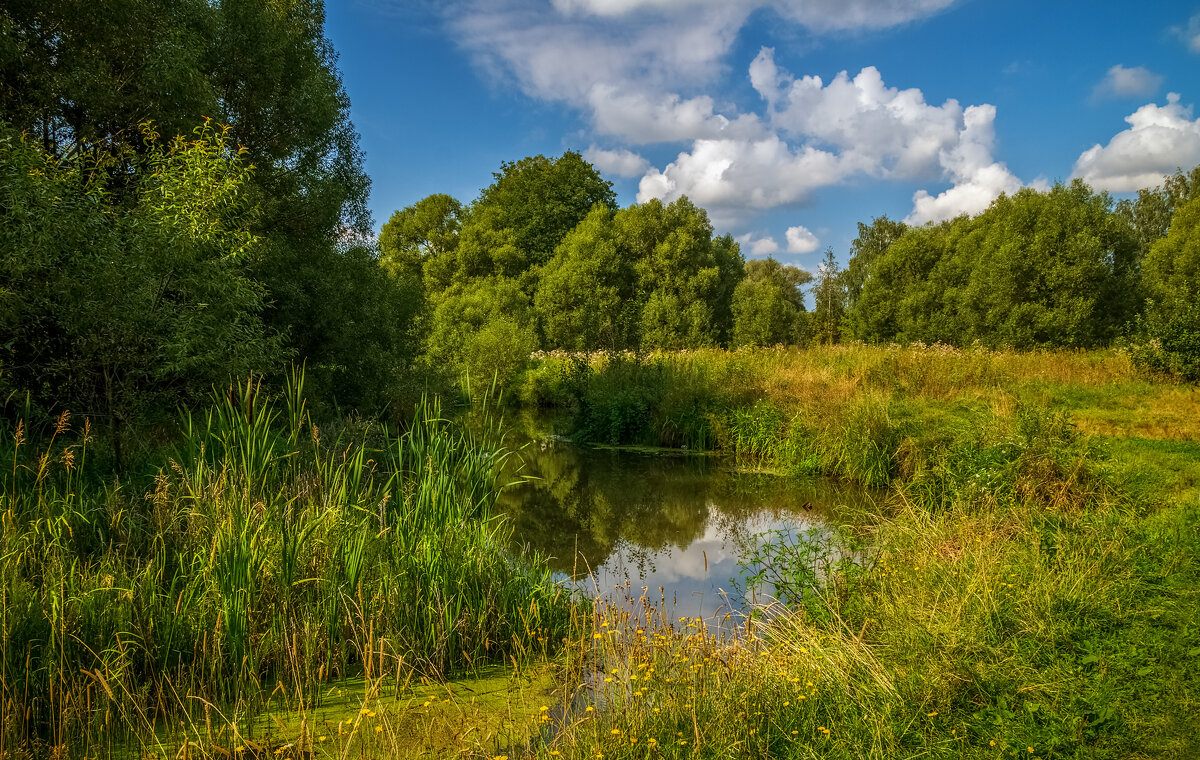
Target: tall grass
(1031, 590)
(267, 554)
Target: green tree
(80, 78)
(768, 305)
(425, 230)
(829, 295)
(686, 278)
(587, 297)
(485, 327)
(120, 306)
(1167, 336)
(871, 244)
(541, 200)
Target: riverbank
(1034, 589)
(1030, 587)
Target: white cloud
(621, 162)
(642, 118)
(820, 15)
(759, 246)
(642, 70)
(630, 64)
(1160, 139)
(1190, 34)
(801, 240)
(730, 177)
(1121, 82)
(880, 130)
(978, 179)
(827, 133)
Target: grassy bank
(1027, 586)
(266, 559)
(1031, 588)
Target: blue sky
(744, 106)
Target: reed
(263, 553)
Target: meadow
(1027, 587)
(1027, 582)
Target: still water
(615, 521)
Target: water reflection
(619, 521)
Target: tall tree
(81, 77)
(871, 244)
(829, 295)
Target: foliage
(829, 292)
(541, 200)
(128, 304)
(482, 328)
(768, 305)
(81, 79)
(264, 551)
(1053, 268)
(1167, 335)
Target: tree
(541, 200)
(485, 327)
(1167, 336)
(425, 230)
(120, 306)
(587, 297)
(830, 296)
(871, 244)
(81, 78)
(685, 277)
(768, 305)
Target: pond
(615, 521)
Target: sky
(789, 121)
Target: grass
(1031, 583)
(1027, 586)
(266, 556)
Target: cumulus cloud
(1121, 82)
(642, 71)
(730, 176)
(801, 240)
(641, 118)
(822, 134)
(758, 246)
(1160, 139)
(621, 162)
(630, 64)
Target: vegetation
(265, 550)
(197, 543)
(1025, 585)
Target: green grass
(1030, 587)
(267, 555)
(1027, 584)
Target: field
(1027, 583)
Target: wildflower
(379, 729)
(930, 715)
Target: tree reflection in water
(611, 519)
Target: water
(613, 522)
